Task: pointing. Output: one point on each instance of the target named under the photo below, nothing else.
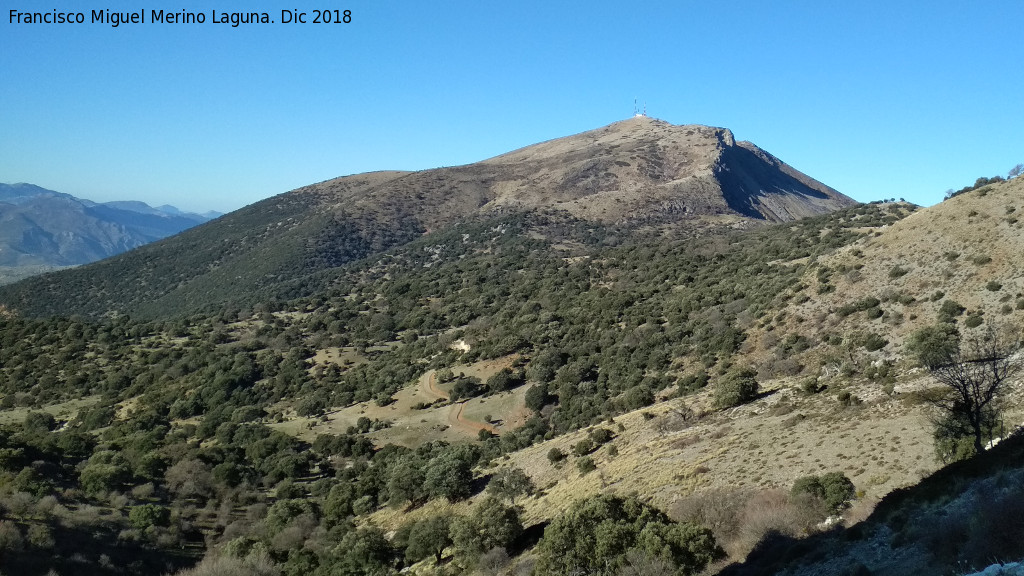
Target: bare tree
(1015, 171)
(975, 374)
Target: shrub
(511, 483)
(775, 512)
(973, 321)
(586, 465)
(954, 438)
(993, 286)
(810, 386)
(10, 537)
(39, 536)
(504, 379)
(981, 260)
(555, 455)
(466, 387)
(738, 386)
(847, 399)
(537, 397)
(36, 422)
(949, 310)
(148, 515)
(898, 272)
(693, 382)
(933, 345)
(833, 488)
(719, 509)
(601, 435)
(874, 342)
(494, 561)
(583, 447)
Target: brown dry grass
(980, 223)
(411, 427)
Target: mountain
(41, 229)
(634, 173)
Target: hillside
(41, 229)
(964, 254)
(334, 432)
(632, 173)
(258, 403)
(519, 391)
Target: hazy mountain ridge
(44, 228)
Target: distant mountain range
(43, 230)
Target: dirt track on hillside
(455, 418)
(428, 385)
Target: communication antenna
(637, 113)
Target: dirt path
(428, 385)
(456, 419)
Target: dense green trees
(492, 524)
(511, 483)
(595, 535)
(429, 537)
(449, 475)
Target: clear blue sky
(877, 99)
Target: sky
(876, 99)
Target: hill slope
(965, 254)
(635, 172)
(596, 353)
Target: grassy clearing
(62, 411)
(411, 426)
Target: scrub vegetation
(159, 441)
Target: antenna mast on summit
(636, 110)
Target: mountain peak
(646, 168)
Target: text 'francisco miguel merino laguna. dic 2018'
(115, 19)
